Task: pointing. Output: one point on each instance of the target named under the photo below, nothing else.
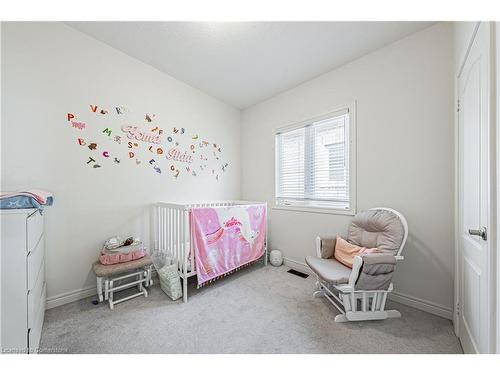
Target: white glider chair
(360, 293)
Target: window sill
(317, 210)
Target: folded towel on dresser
(41, 196)
(32, 198)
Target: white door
(475, 309)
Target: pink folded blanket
(107, 257)
(41, 196)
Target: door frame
(494, 227)
(497, 113)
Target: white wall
(405, 160)
(50, 69)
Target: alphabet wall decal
(78, 125)
(172, 149)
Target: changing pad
(126, 255)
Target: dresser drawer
(36, 298)
(35, 330)
(34, 230)
(35, 261)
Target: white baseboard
(68, 297)
(422, 304)
(418, 303)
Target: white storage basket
(168, 273)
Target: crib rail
(172, 234)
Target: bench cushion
(102, 270)
(329, 270)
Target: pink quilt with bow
(226, 238)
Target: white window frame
(351, 109)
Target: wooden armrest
(325, 247)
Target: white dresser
(23, 287)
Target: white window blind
(313, 163)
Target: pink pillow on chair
(345, 251)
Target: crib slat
(174, 250)
(184, 239)
(170, 229)
(164, 229)
(157, 226)
(178, 234)
(160, 228)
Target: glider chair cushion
(377, 272)
(329, 270)
(377, 228)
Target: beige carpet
(257, 310)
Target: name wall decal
(177, 155)
(133, 132)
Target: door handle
(479, 232)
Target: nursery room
(249, 187)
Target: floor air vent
(298, 273)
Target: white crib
(172, 233)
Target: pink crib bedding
(227, 238)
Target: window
(314, 163)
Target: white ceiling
(243, 63)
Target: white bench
(139, 270)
